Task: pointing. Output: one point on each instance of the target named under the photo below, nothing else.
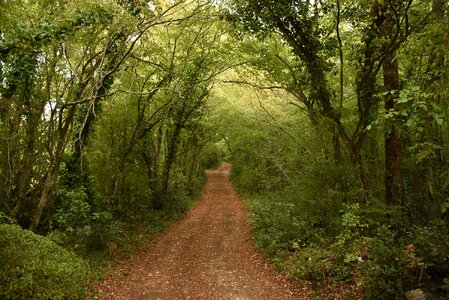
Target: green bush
(356, 250)
(33, 267)
(78, 226)
(275, 226)
(431, 243)
(380, 273)
(312, 264)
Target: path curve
(207, 255)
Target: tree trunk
(336, 144)
(393, 141)
(53, 170)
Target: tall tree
(305, 28)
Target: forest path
(207, 255)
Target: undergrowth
(34, 267)
(80, 248)
(351, 253)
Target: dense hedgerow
(378, 260)
(33, 267)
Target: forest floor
(209, 254)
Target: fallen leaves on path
(207, 255)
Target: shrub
(33, 267)
(275, 227)
(312, 263)
(380, 273)
(431, 243)
(78, 224)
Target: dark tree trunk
(393, 141)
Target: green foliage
(430, 243)
(4, 218)
(77, 225)
(275, 225)
(213, 155)
(312, 263)
(75, 211)
(108, 120)
(318, 174)
(33, 267)
(380, 273)
(352, 225)
(368, 247)
(177, 200)
(361, 254)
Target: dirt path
(207, 255)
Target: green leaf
(411, 123)
(439, 120)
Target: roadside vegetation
(334, 115)
(103, 132)
(339, 142)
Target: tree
(155, 123)
(310, 32)
(59, 62)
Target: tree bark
(53, 170)
(393, 141)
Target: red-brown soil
(207, 255)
